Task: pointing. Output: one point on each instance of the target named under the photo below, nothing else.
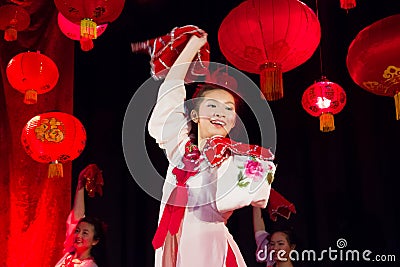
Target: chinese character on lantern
(373, 59)
(53, 138)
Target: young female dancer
(207, 178)
(83, 233)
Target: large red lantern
(13, 19)
(89, 14)
(32, 73)
(54, 138)
(268, 37)
(73, 31)
(373, 59)
(323, 99)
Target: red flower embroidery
(254, 170)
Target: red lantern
(32, 73)
(89, 14)
(347, 4)
(13, 18)
(373, 59)
(54, 137)
(73, 31)
(268, 37)
(323, 99)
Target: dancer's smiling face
(215, 115)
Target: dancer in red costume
(209, 176)
(83, 233)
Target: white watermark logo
(333, 254)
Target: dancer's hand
(198, 41)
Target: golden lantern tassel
(55, 170)
(271, 83)
(30, 97)
(88, 28)
(397, 105)
(326, 122)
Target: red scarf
(216, 150)
(164, 50)
(174, 210)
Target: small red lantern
(269, 37)
(373, 59)
(13, 19)
(347, 4)
(54, 137)
(73, 31)
(32, 73)
(323, 99)
(89, 14)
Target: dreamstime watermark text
(338, 253)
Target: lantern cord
(320, 43)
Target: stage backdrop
(33, 208)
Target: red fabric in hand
(165, 50)
(92, 178)
(278, 205)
